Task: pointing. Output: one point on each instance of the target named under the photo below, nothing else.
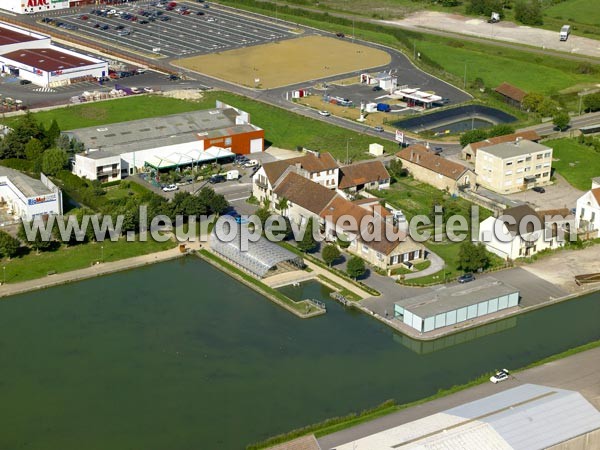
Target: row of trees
(476, 135)
(528, 12)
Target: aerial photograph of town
(300, 224)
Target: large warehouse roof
(48, 59)
(447, 299)
(259, 258)
(29, 187)
(528, 417)
(13, 35)
(143, 134)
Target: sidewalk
(436, 265)
(89, 272)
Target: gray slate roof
(512, 149)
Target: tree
(591, 102)
(308, 242)
(355, 267)
(330, 254)
(532, 101)
(472, 257)
(395, 169)
(63, 142)
(52, 134)
(34, 149)
(547, 108)
(53, 160)
(561, 120)
(501, 129)
(484, 7)
(529, 12)
(471, 136)
(25, 128)
(9, 246)
(282, 205)
(38, 244)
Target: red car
(84, 17)
(172, 4)
(186, 12)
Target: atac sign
(32, 3)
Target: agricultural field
(579, 11)
(287, 62)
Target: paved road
(578, 372)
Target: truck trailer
(565, 31)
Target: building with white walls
(26, 198)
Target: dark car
(216, 179)
(377, 88)
(173, 77)
(199, 13)
(467, 277)
(437, 150)
(165, 18)
(340, 35)
(539, 189)
(143, 22)
(206, 5)
(104, 27)
(24, 82)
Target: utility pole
(465, 82)
(353, 29)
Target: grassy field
(580, 11)
(576, 162)
(65, 259)
(283, 128)
(287, 62)
(113, 111)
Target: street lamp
(4, 272)
(102, 253)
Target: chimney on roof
(298, 165)
(427, 145)
(518, 139)
(412, 155)
(418, 158)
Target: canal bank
(179, 355)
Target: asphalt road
(578, 372)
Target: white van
(232, 175)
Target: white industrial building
(526, 417)
(31, 56)
(25, 198)
(34, 6)
(448, 306)
(115, 151)
(587, 214)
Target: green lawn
(576, 162)
(416, 198)
(282, 128)
(495, 65)
(65, 259)
(580, 11)
(113, 111)
(125, 189)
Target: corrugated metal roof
(29, 187)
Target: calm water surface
(180, 356)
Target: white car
(170, 188)
(324, 113)
(136, 90)
(251, 163)
(501, 375)
(149, 90)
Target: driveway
(559, 195)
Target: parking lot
(155, 31)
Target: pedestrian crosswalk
(43, 89)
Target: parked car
(539, 189)
(438, 150)
(378, 129)
(251, 163)
(324, 113)
(499, 376)
(377, 89)
(466, 278)
(84, 17)
(340, 35)
(170, 188)
(173, 77)
(24, 82)
(148, 90)
(216, 179)
(136, 90)
(199, 13)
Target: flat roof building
(448, 306)
(31, 56)
(114, 151)
(26, 198)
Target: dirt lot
(558, 195)
(287, 62)
(503, 31)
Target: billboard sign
(400, 136)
